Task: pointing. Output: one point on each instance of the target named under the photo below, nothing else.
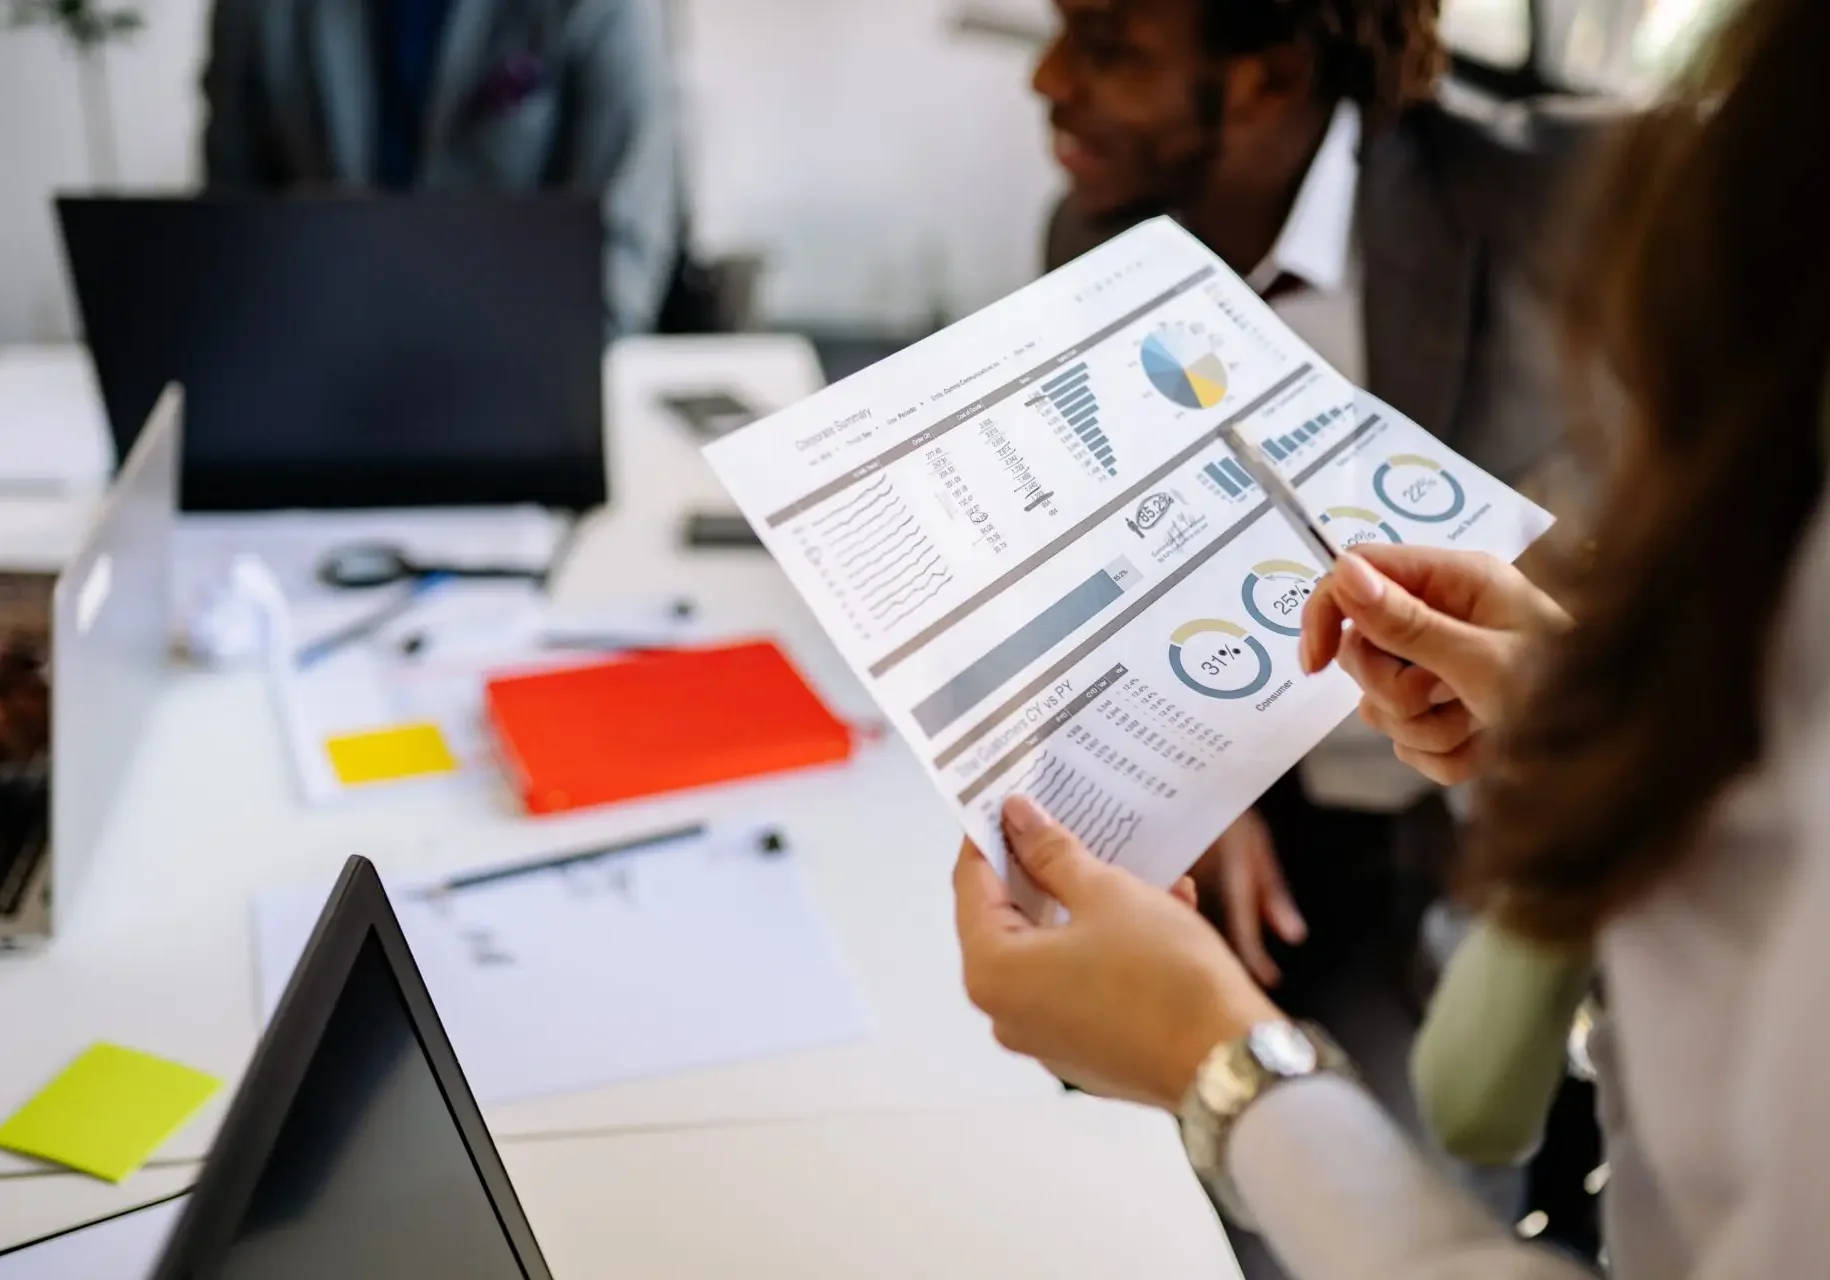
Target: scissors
(376, 564)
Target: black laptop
(354, 1147)
(346, 352)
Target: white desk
(1049, 1190)
(159, 951)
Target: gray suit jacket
(1458, 225)
(529, 95)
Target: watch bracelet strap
(1208, 1145)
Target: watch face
(1282, 1049)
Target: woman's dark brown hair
(1705, 299)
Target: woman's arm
(1339, 1193)
(1493, 1050)
(1130, 995)
(1778, 1105)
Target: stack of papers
(686, 954)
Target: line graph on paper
(1104, 823)
(873, 553)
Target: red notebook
(650, 723)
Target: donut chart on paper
(1359, 525)
(1280, 587)
(1219, 659)
(1418, 488)
(1184, 368)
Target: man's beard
(1186, 180)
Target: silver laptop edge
(110, 641)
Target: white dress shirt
(1318, 248)
(1354, 767)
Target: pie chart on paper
(1182, 366)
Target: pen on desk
(496, 875)
(582, 637)
(364, 627)
(418, 644)
(680, 613)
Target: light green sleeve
(1491, 1055)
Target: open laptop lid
(110, 640)
(354, 1147)
(346, 352)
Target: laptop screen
(370, 1176)
(342, 352)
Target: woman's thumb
(1051, 854)
(1402, 625)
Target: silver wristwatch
(1235, 1075)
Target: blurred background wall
(889, 165)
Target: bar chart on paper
(1289, 444)
(1229, 478)
(1068, 398)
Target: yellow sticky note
(108, 1111)
(388, 755)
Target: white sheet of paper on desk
(686, 956)
(1026, 537)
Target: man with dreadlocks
(1407, 239)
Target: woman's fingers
(1398, 622)
(1323, 623)
(1278, 904)
(1435, 732)
(1129, 993)
(1185, 892)
(982, 909)
(1475, 663)
(1449, 768)
(1404, 689)
(1052, 855)
(1469, 586)
(1242, 881)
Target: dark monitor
(354, 1147)
(352, 351)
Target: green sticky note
(108, 1111)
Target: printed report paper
(1027, 537)
(677, 957)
